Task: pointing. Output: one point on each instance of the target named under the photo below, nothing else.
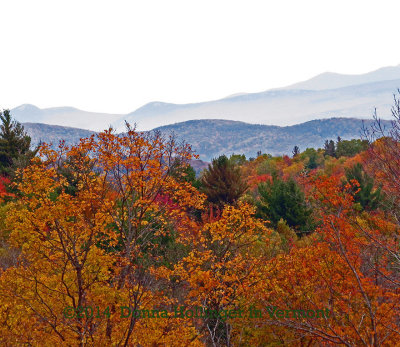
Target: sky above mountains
(114, 57)
(324, 96)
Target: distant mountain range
(64, 116)
(274, 121)
(331, 80)
(324, 96)
(212, 137)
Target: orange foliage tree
(92, 223)
(344, 270)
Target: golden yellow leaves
(224, 260)
(88, 221)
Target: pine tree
(14, 145)
(295, 151)
(330, 148)
(312, 156)
(284, 200)
(222, 182)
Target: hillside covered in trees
(211, 138)
(115, 241)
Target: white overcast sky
(115, 56)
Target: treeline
(123, 221)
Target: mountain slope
(54, 133)
(212, 137)
(64, 116)
(278, 107)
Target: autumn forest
(117, 241)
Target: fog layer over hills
(324, 96)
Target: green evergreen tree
(312, 163)
(295, 151)
(281, 199)
(222, 182)
(330, 148)
(368, 197)
(312, 155)
(14, 145)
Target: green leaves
(14, 145)
(283, 199)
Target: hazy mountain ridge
(64, 116)
(331, 80)
(280, 107)
(324, 96)
(210, 137)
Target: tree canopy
(281, 199)
(222, 182)
(14, 144)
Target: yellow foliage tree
(89, 223)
